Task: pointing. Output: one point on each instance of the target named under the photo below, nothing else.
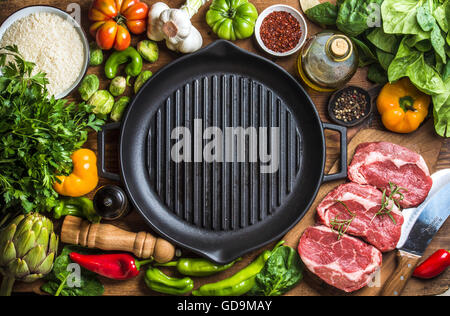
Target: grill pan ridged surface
(221, 210)
(222, 195)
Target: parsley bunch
(38, 134)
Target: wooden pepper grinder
(76, 231)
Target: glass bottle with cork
(327, 61)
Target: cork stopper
(339, 47)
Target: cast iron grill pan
(221, 210)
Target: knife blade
(433, 215)
(410, 215)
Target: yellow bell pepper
(402, 106)
(84, 177)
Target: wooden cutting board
(423, 142)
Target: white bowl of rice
(54, 41)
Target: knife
(433, 215)
(440, 179)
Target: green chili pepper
(241, 282)
(80, 207)
(159, 282)
(131, 56)
(197, 267)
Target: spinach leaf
(441, 111)
(366, 56)
(440, 15)
(377, 74)
(438, 43)
(421, 42)
(57, 279)
(425, 19)
(355, 16)
(384, 59)
(282, 271)
(386, 42)
(400, 16)
(409, 62)
(324, 14)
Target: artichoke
(28, 248)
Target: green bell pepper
(232, 19)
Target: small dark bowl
(337, 94)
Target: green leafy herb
(340, 226)
(282, 271)
(38, 134)
(387, 202)
(57, 281)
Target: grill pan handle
(342, 174)
(101, 152)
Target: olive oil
(327, 61)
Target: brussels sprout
(96, 54)
(141, 79)
(118, 108)
(117, 86)
(148, 50)
(88, 86)
(102, 101)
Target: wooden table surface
(8, 7)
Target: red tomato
(137, 12)
(123, 38)
(107, 7)
(106, 35)
(136, 26)
(114, 19)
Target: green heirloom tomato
(232, 19)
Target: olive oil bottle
(327, 61)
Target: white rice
(52, 43)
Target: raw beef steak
(363, 201)
(378, 164)
(347, 264)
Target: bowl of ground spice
(350, 106)
(281, 30)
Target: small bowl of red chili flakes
(281, 30)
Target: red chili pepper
(113, 266)
(434, 265)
